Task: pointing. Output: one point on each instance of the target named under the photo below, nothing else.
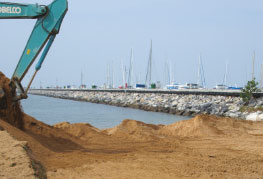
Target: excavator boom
(49, 19)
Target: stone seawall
(180, 104)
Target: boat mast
(225, 76)
(81, 79)
(261, 75)
(253, 65)
(201, 74)
(199, 71)
(123, 74)
(130, 69)
(167, 73)
(174, 73)
(170, 73)
(112, 75)
(149, 69)
(108, 76)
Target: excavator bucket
(3, 100)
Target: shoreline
(140, 107)
(177, 104)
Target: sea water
(53, 110)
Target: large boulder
(255, 117)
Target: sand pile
(200, 126)
(127, 130)
(80, 130)
(16, 166)
(207, 125)
(135, 130)
(10, 111)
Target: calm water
(53, 110)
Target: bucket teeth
(3, 100)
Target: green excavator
(49, 19)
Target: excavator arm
(49, 19)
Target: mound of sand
(208, 125)
(127, 130)
(16, 166)
(199, 126)
(135, 130)
(80, 130)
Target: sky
(98, 35)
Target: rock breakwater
(180, 104)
